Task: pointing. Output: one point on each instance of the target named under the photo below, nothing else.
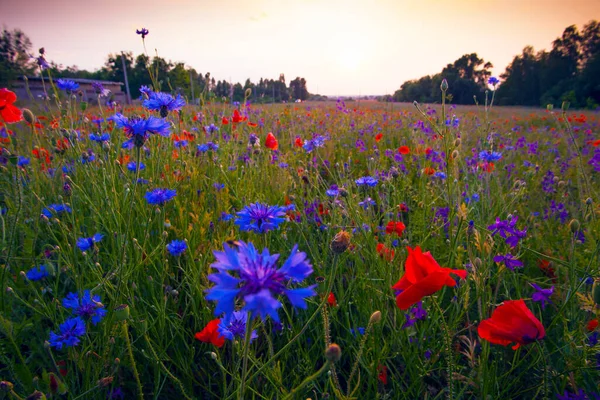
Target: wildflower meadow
(348, 250)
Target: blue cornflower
(202, 148)
(69, 334)
(132, 166)
(164, 103)
(160, 196)
(509, 260)
(23, 161)
(225, 217)
(489, 156)
(360, 331)
(234, 325)
(55, 209)
(100, 89)
(260, 218)
(219, 186)
(142, 32)
(542, 295)
(180, 143)
(138, 130)
(258, 282)
(368, 202)
(211, 128)
(177, 247)
(86, 307)
(67, 85)
(493, 81)
(333, 191)
(593, 339)
(317, 141)
(367, 180)
(145, 92)
(440, 175)
(85, 244)
(105, 137)
(37, 273)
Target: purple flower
(160, 196)
(37, 273)
(234, 325)
(67, 85)
(257, 281)
(542, 295)
(367, 180)
(260, 218)
(85, 244)
(509, 260)
(69, 333)
(100, 89)
(493, 81)
(86, 306)
(142, 32)
(177, 247)
(138, 130)
(164, 103)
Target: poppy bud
(340, 242)
(549, 107)
(561, 184)
(333, 353)
(596, 292)
(574, 225)
(248, 93)
(104, 382)
(213, 355)
(28, 116)
(589, 201)
(455, 154)
(375, 317)
(457, 142)
(444, 85)
(477, 262)
(122, 312)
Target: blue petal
(297, 296)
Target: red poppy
(225, 121)
(331, 300)
(210, 334)
(378, 137)
(382, 374)
(592, 325)
(10, 114)
(423, 276)
(299, 142)
(403, 150)
(384, 252)
(487, 166)
(511, 322)
(271, 142)
(428, 171)
(237, 117)
(252, 124)
(397, 227)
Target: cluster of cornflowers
(507, 230)
(84, 308)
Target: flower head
(142, 32)
(100, 89)
(367, 180)
(423, 276)
(271, 142)
(86, 306)
(210, 334)
(177, 247)
(69, 333)
(37, 273)
(493, 81)
(260, 217)
(55, 209)
(164, 103)
(85, 244)
(160, 196)
(138, 129)
(257, 282)
(9, 113)
(234, 325)
(511, 322)
(67, 85)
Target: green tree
(15, 60)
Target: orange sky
(341, 47)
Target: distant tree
(15, 58)
(298, 89)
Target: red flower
(225, 121)
(378, 137)
(10, 114)
(397, 227)
(271, 142)
(511, 322)
(384, 252)
(592, 325)
(210, 334)
(299, 142)
(331, 300)
(237, 117)
(423, 276)
(403, 150)
(382, 376)
(428, 171)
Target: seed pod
(444, 85)
(574, 225)
(340, 242)
(375, 317)
(333, 353)
(28, 116)
(122, 312)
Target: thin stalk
(245, 356)
(130, 353)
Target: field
(442, 252)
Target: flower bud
(589, 201)
(6, 386)
(28, 116)
(477, 262)
(457, 142)
(37, 395)
(549, 107)
(213, 355)
(122, 312)
(333, 353)
(340, 242)
(248, 93)
(375, 317)
(574, 225)
(104, 382)
(444, 85)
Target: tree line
(570, 72)
(16, 60)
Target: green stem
(448, 350)
(130, 353)
(307, 381)
(245, 356)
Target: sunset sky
(344, 47)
